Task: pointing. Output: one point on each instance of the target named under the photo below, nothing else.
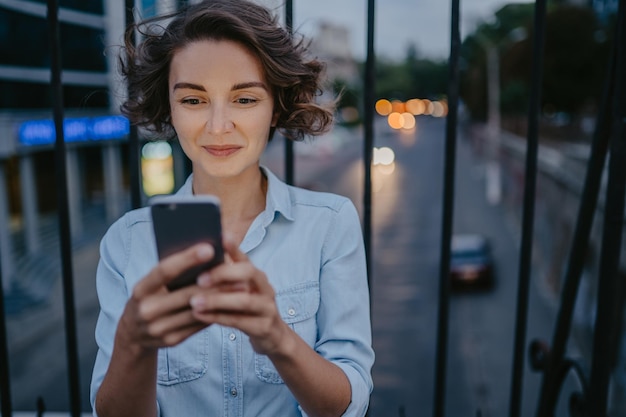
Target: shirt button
(233, 391)
(291, 312)
(232, 336)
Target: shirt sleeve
(344, 314)
(112, 295)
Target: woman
(280, 329)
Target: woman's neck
(242, 198)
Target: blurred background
(412, 43)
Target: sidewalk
(34, 304)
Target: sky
(425, 23)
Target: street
(407, 210)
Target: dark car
(471, 262)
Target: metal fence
(549, 358)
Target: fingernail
(204, 279)
(197, 301)
(205, 252)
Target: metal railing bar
(588, 204)
(608, 298)
(289, 162)
(448, 210)
(529, 209)
(63, 211)
(369, 80)
(134, 158)
(5, 378)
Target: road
(407, 208)
(407, 217)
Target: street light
(493, 175)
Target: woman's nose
(219, 120)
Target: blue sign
(82, 129)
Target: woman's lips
(222, 150)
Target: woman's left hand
(239, 295)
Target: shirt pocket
(297, 307)
(184, 362)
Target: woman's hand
(239, 295)
(155, 317)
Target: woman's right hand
(155, 317)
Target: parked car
(471, 261)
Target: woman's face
(221, 107)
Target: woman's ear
(275, 119)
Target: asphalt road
(407, 220)
(407, 211)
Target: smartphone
(183, 221)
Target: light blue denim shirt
(310, 245)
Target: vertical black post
(448, 211)
(5, 379)
(606, 331)
(63, 210)
(289, 163)
(529, 209)
(134, 160)
(368, 143)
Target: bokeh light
(383, 107)
(408, 121)
(438, 110)
(157, 168)
(415, 106)
(383, 156)
(395, 120)
(350, 114)
(398, 106)
(401, 115)
(428, 106)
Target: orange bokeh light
(415, 106)
(398, 106)
(395, 120)
(383, 107)
(444, 103)
(428, 106)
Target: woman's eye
(192, 101)
(246, 100)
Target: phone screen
(181, 222)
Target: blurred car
(471, 262)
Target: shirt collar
(278, 198)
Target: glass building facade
(25, 55)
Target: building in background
(331, 44)
(89, 31)
(25, 55)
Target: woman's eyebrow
(238, 86)
(189, 86)
(242, 86)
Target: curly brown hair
(295, 79)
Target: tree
(575, 60)
(414, 77)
